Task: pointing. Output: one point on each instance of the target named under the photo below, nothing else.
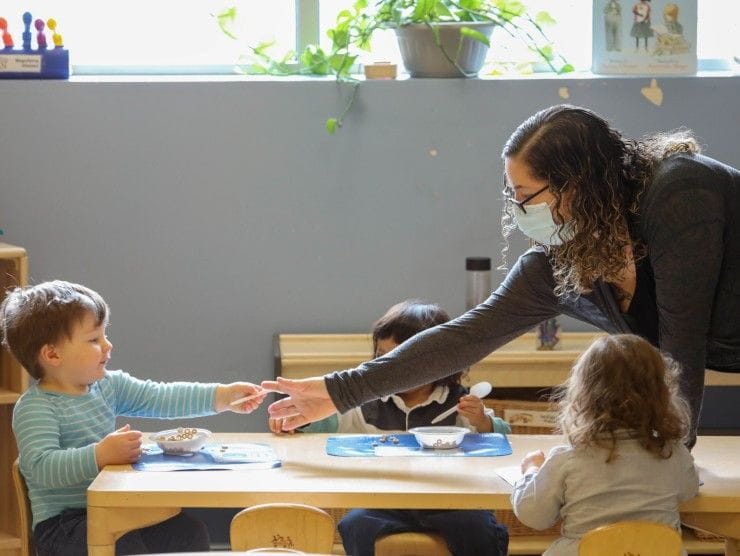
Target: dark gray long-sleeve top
(688, 219)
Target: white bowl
(181, 441)
(439, 438)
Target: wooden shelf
(516, 364)
(9, 541)
(8, 396)
(13, 382)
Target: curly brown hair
(575, 150)
(623, 383)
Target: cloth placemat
(210, 457)
(474, 444)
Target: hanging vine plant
(354, 29)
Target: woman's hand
(532, 462)
(308, 401)
(276, 426)
(226, 394)
(472, 408)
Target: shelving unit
(13, 382)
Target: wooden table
(121, 499)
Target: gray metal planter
(424, 58)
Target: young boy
(64, 423)
(467, 532)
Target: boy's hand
(226, 394)
(119, 447)
(472, 408)
(533, 461)
(276, 426)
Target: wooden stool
(411, 544)
(636, 537)
(295, 526)
(24, 509)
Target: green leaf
(344, 17)
(342, 63)
(360, 5)
(331, 125)
(260, 49)
(510, 9)
(226, 18)
(340, 39)
(423, 9)
(287, 57)
(441, 10)
(543, 19)
(475, 35)
(567, 68)
(546, 52)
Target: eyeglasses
(509, 197)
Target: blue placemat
(210, 457)
(477, 445)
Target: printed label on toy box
(20, 63)
(530, 417)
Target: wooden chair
(295, 526)
(636, 538)
(411, 544)
(24, 510)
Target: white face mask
(537, 223)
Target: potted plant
(437, 38)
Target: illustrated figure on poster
(613, 25)
(669, 37)
(641, 28)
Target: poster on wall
(644, 37)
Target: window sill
(208, 78)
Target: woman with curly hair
(624, 420)
(630, 236)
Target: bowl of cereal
(439, 438)
(181, 441)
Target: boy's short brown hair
(34, 316)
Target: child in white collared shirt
(467, 532)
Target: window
(156, 35)
(176, 36)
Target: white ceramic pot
(423, 58)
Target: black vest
(387, 416)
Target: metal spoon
(479, 390)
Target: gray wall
(212, 215)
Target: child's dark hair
(406, 319)
(623, 383)
(34, 316)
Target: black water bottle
(477, 281)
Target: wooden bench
(516, 364)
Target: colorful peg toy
(40, 37)
(7, 37)
(27, 62)
(55, 37)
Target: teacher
(630, 236)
